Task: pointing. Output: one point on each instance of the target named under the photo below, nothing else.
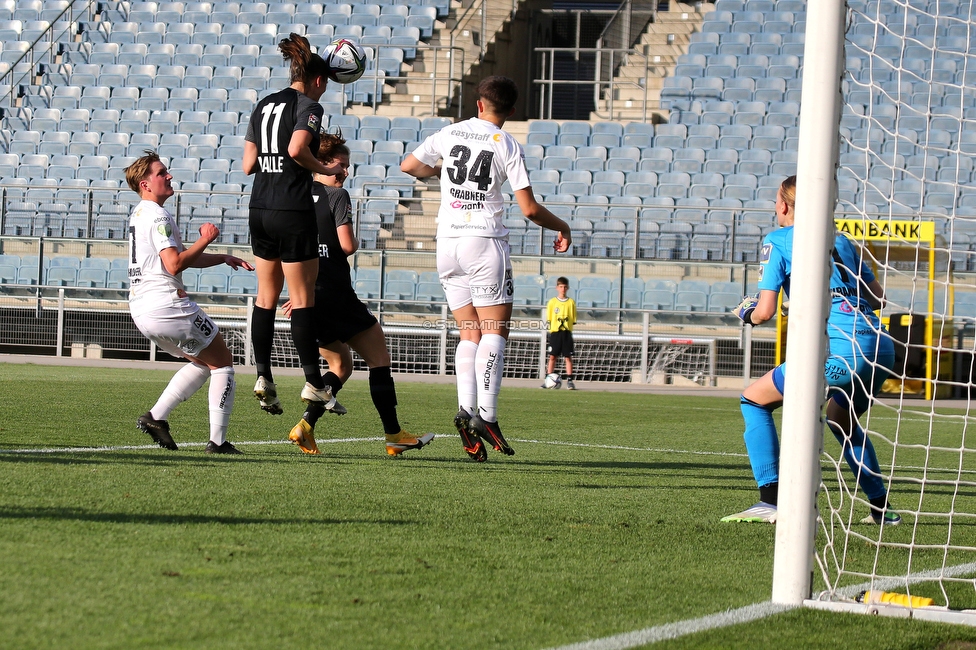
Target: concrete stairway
(638, 83)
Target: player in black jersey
(343, 321)
(280, 146)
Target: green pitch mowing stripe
(605, 521)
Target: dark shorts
(340, 315)
(561, 344)
(288, 235)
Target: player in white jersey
(165, 314)
(472, 249)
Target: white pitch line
(622, 448)
(81, 450)
(85, 450)
(883, 584)
(751, 613)
(679, 629)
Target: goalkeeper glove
(746, 307)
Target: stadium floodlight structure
(895, 77)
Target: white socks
(222, 387)
(189, 380)
(488, 374)
(181, 387)
(467, 387)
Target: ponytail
(305, 65)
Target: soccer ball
(346, 60)
(552, 380)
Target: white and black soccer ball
(552, 380)
(346, 60)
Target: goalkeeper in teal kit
(860, 358)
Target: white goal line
(670, 631)
(749, 613)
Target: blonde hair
(137, 171)
(305, 66)
(787, 189)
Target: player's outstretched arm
(540, 216)
(206, 260)
(298, 149)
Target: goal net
(907, 144)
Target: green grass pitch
(606, 521)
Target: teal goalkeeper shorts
(852, 380)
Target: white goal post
(894, 147)
(803, 396)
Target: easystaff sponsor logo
(476, 137)
(486, 379)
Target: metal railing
(51, 35)
(413, 223)
(606, 86)
(444, 84)
(94, 323)
(475, 12)
(637, 240)
(625, 27)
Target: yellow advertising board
(899, 231)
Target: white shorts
(177, 331)
(475, 270)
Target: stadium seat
(658, 299)
(694, 301)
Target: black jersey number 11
(480, 170)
